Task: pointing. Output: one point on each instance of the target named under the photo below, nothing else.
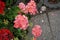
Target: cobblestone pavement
(51, 31)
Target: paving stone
(55, 23)
(46, 34)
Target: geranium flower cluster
(2, 7)
(29, 8)
(21, 21)
(5, 34)
(36, 31)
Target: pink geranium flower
(22, 6)
(36, 31)
(21, 21)
(31, 7)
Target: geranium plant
(14, 20)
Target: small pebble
(43, 8)
(42, 21)
(40, 11)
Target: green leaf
(9, 3)
(12, 12)
(19, 31)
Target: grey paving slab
(55, 23)
(46, 34)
